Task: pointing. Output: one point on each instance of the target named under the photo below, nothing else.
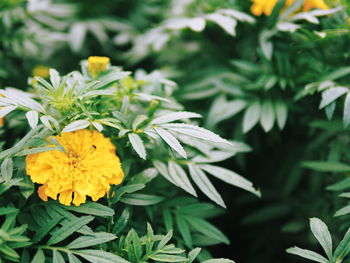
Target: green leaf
(7, 210)
(179, 176)
(251, 116)
(182, 225)
(121, 222)
(205, 185)
(219, 260)
(339, 186)
(267, 118)
(266, 44)
(225, 22)
(338, 73)
(54, 78)
(36, 150)
(331, 94)
(137, 144)
(344, 211)
(141, 199)
(167, 258)
(76, 125)
(91, 208)
(204, 227)
(193, 254)
(131, 188)
(281, 112)
(222, 109)
(8, 251)
(33, 118)
(168, 219)
(171, 141)
(57, 257)
(326, 166)
(69, 228)
(346, 114)
(230, 177)
(174, 116)
(305, 253)
(321, 232)
(343, 248)
(39, 257)
(139, 120)
(194, 131)
(72, 258)
(99, 256)
(165, 239)
(88, 241)
(7, 169)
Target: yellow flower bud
(97, 65)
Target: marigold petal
(65, 197)
(41, 192)
(79, 199)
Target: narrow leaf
(137, 144)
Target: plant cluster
(123, 163)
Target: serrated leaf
(88, 241)
(194, 131)
(174, 116)
(230, 177)
(179, 176)
(207, 229)
(141, 199)
(99, 256)
(69, 228)
(137, 144)
(171, 141)
(76, 125)
(92, 208)
(167, 258)
(205, 185)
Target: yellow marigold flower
(260, 7)
(97, 65)
(87, 168)
(310, 4)
(41, 71)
